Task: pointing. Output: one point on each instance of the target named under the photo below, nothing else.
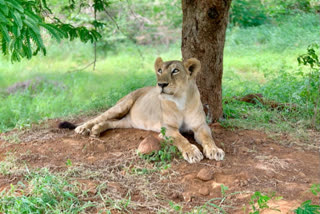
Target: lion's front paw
(83, 130)
(213, 152)
(192, 154)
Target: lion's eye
(160, 71)
(175, 71)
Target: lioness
(174, 104)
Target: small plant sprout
(259, 202)
(165, 155)
(306, 207)
(68, 163)
(311, 59)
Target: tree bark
(203, 37)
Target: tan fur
(176, 106)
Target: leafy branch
(21, 22)
(311, 59)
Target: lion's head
(173, 77)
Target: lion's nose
(162, 85)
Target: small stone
(205, 174)
(243, 183)
(219, 164)
(187, 196)
(91, 159)
(188, 178)
(148, 145)
(204, 191)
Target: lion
(174, 103)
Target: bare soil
(255, 161)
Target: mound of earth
(254, 162)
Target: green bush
(247, 13)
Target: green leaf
(16, 5)
(32, 16)
(4, 46)
(53, 31)
(27, 51)
(5, 9)
(3, 18)
(44, 5)
(17, 18)
(5, 33)
(15, 30)
(36, 38)
(32, 26)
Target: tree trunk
(203, 37)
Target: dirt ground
(255, 161)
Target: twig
(82, 68)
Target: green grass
(64, 90)
(43, 192)
(263, 60)
(257, 60)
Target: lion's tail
(67, 125)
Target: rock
(243, 183)
(91, 159)
(204, 191)
(148, 145)
(187, 196)
(188, 178)
(205, 174)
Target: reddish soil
(254, 162)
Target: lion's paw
(213, 152)
(83, 130)
(192, 154)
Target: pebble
(148, 145)
(204, 191)
(205, 174)
(187, 196)
(243, 183)
(188, 177)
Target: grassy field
(260, 59)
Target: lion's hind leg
(114, 113)
(97, 129)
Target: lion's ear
(193, 66)
(158, 63)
